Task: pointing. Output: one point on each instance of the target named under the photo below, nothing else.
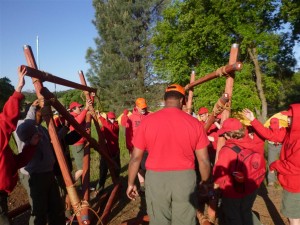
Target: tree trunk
(261, 114)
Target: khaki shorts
(290, 205)
(77, 151)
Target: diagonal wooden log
(219, 104)
(61, 109)
(191, 93)
(44, 76)
(47, 116)
(101, 138)
(222, 71)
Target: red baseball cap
(111, 115)
(230, 124)
(202, 110)
(74, 104)
(288, 112)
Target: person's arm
(133, 168)
(269, 134)
(21, 82)
(204, 163)
(290, 165)
(11, 111)
(31, 112)
(129, 135)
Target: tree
(121, 66)
(6, 90)
(198, 34)
(290, 12)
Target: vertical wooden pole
(234, 53)
(191, 93)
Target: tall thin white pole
(37, 51)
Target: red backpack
(249, 169)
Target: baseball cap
(141, 103)
(74, 104)
(26, 130)
(202, 110)
(175, 87)
(287, 113)
(111, 115)
(230, 124)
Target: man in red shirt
(172, 139)
(77, 149)
(139, 112)
(110, 130)
(9, 162)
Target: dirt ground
(266, 206)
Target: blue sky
(65, 32)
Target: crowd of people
(173, 154)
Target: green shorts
(77, 151)
(290, 205)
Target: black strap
(236, 148)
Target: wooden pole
(44, 76)
(47, 116)
(191, 93)
(222, 71)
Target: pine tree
(121, 67)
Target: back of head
(233, 127)
(125, 112)
(26, 130)
(174, 91)
(274, 123)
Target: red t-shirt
(170, 136)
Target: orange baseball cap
(141, 103)
(175, 87)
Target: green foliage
(291, 89)
(6, 90)
(30, 96)
(197, 35)
(121, 63)
(71, 96)
(290, 11)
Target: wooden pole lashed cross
(47, 116)
(234, 53)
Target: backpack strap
(236, 149)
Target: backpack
(249, 169)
